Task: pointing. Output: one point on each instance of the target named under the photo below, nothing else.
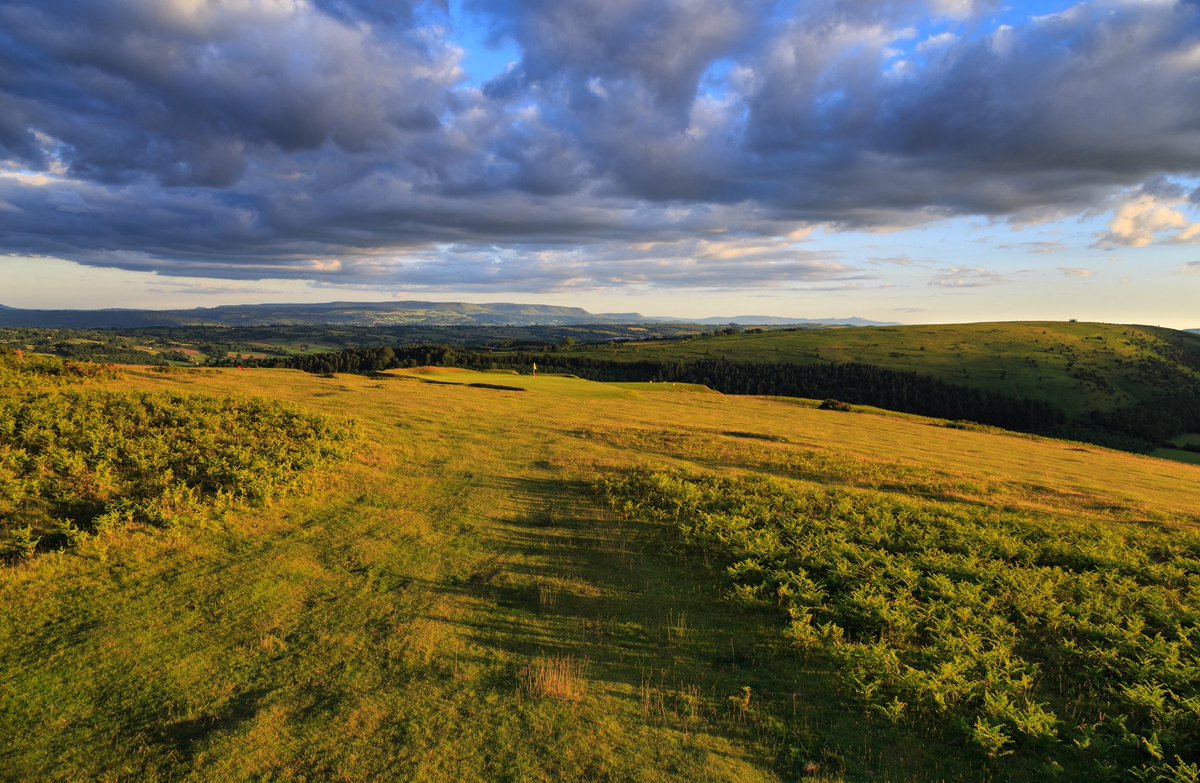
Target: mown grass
(380, 629)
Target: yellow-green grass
(1076, 366)
(76, 461)
(386, 628)
(551, 384)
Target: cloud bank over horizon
(656, 144)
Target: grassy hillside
(1080, 368)
(462, 602)
(81, 461)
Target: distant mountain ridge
(371, 314)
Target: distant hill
(1138, 381)
(340, 313)
(364, 314)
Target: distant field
(185, 345)
(1179, 455)
(459, 602)
(1190, 455)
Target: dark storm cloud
(375, 11)
(191, 93)
(339, 139)
(664, 47)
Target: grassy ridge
(1042, 632)
(861, 383)
(1077, 366)
(1138, 379)
(456, 604)
(1126, 387)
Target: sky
(921, 162)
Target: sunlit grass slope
(1077, 366)
(459, 603)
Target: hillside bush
(20, 370)
(1013, 631)
(75, 462)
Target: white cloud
(936, 42)
(1147, 219)
(957, 9)
(967, 277)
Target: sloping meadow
(1071, 640)
(76, 460)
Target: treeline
(1170, 415)
(113, 353)
(862, 384)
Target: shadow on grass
(183, 738)
(659, 639)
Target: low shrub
(1010, 630)
(76, 462)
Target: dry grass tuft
(548, 593)
(555, 678)
(676, 626)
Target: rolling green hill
(518, 577)
(1139, 379)
(1078, 366)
